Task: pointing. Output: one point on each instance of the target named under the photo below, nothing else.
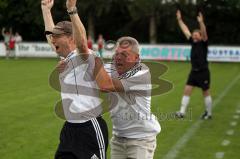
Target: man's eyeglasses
(58, 35)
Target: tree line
(149, 21)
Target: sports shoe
(205, 116)
(179, 115)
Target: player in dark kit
(199, 75)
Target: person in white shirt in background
(18, 38)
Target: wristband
(72, 11)
(47, 32)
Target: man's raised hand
(200, 17)
(70, 4)
(178, 14)
(47, 4)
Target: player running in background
(199, 75)
(100, 43)
(90, 42)
(7, 36)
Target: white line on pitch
(173, 152)
(230, 132)
(219, 155)
(235, 116)
(225, 142)
(238, 111)
(233, 123)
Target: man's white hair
(127, 41)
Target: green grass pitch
(29, 129)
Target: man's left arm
(3, 31)
(46, 6)
(79, 31)
(202, 26)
